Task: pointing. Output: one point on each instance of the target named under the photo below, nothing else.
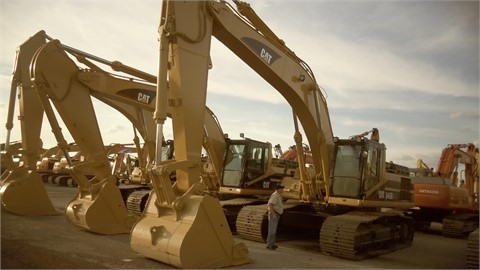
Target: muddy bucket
(198, 238)
(100, 210)
(23, 193)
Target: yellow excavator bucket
(197, 237)
(100, 209)
(23, 193)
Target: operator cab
(245, 162)
(357, 167)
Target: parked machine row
(180, 206)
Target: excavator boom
(186, 29)
(21, 188)
(179, 226)
(98, 206)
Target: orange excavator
(292, 153)
(447, 195)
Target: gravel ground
(51, 242)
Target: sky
(408, 68)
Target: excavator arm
(58, 81)
(253, 42)
(245, 34)
(186, 29)
(98, 206)
(181, 87)
(136, 101)
(133, 98)
(30, 111)
(256, 45)
(451, 156)
(21, 188)
(179, 226)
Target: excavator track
(48, 178)
(232, 207)
(66, 181)
(459, 225)
(360, 235)
(136, 201)
(252, 222)
(472, 250)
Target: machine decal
(140, 95)
(387, 195)
(429, 191)
(268, 55)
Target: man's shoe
(274, 246)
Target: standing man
(275, 210)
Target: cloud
(408, 68)
(349, 66)
(354, 70)
(473, 115)
(115, 128)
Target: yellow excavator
(21, 187)
(97, 206)
(12, 157)
(238, 171)
(47, 161)
(351, 188)
(90, 210)
(178, 217)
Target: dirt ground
(51, 242)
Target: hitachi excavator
(353, 172)
(448, 196)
